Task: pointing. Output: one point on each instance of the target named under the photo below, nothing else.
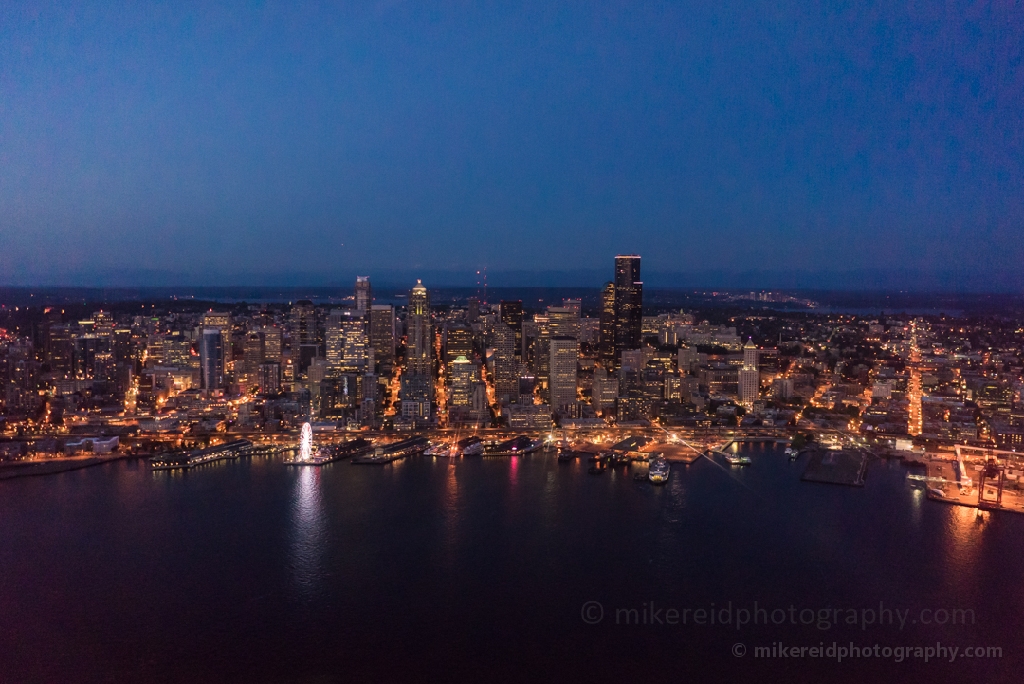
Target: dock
(353, 449)
(191, 459)
(393, 452)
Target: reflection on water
(964, 530)
(309, 532)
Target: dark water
(250, 571)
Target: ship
(736, 459)
(659, 471)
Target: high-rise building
(356, 351)
(458, 342)
(461, 377)
(542, 349)
(345, 342)
(749, 376)
(564, 321)
(605, 390)
(506, 377)
(211, 358)
(472, 310)
(271, 343)
(253, 355)
(334, 340)
(419, 337)
(417, 380)
(562, 383)
(364, 297)
(222, 321)
(606, 329)
(303, 323)
(382, 335)
(269, 377)
(512, 316)
(628, 304)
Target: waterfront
(476, 569)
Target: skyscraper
(606, 330)
(382, 335)
(364, 297)
(417, 380)
(512, 316)
(211, 358)
(506, 377)
(254, 354)
(222, 321)
(562, 384)
(750, 376)
(303, 323)
(628, 304)
(418, 345)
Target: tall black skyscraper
(512, 316)
(629, 294)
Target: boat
(659, 471)
(792, 453)
(736, 459)
(620, 459)
(937, 493)
(566, 455)
(598, 468)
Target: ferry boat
(736, 459)
(659, 471)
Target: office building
(303, 323)
(364, 297)
(564, 353)
(382, 335)
(417, 380)
(458, 342)
(606, 327)
(628, 304)
(749, 375)
(211, 358)
(506, 376)
(512, 316)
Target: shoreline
(10, 471)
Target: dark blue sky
(214, 141)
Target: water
(478, 570)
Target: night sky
(218, 142)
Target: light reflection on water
(309, 532)
(965, 528)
